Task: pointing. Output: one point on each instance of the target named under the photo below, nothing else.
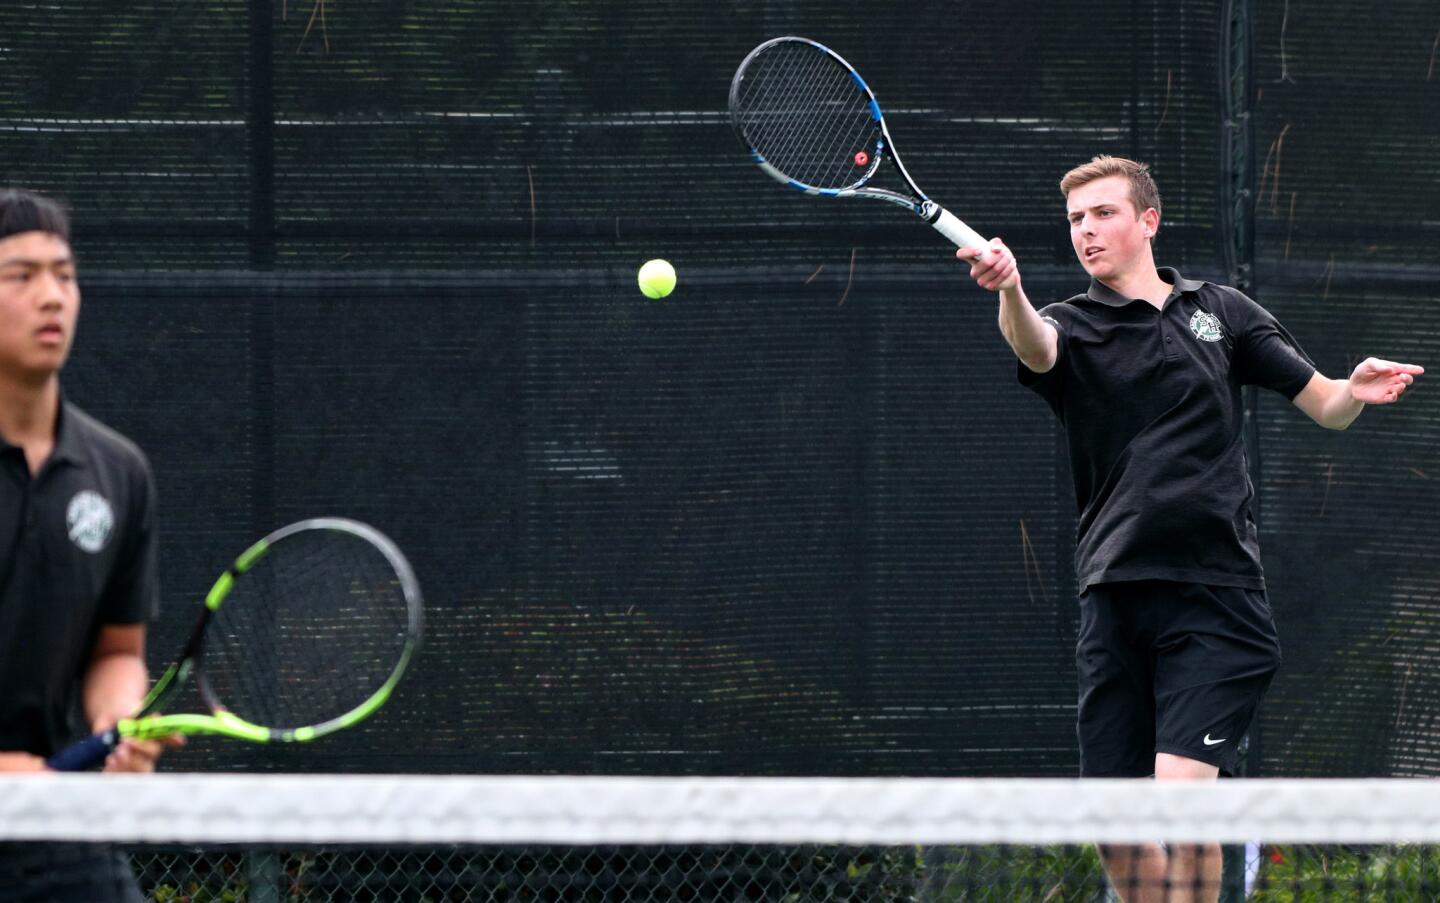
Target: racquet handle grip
(950, 226)
(85, 754)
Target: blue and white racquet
(810, 121)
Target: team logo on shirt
(1206, 327)
(89, 520)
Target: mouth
(1092, 252)
(50, 334)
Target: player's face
(1109, 238)
(39, 305)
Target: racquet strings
(309, 633)
(804, 113)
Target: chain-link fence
(734, 874)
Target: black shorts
(1169, 668)
(66, 873)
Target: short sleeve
(1048, 385)
(133, 593)
(1266, 354)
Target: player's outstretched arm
(1335, 403)
(1033, 340)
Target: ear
(1151, 219)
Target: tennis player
(1144, 370)
(77, 556)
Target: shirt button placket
(1167, 345)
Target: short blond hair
(1143, 193)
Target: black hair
(26, 211)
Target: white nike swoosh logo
(1209, 742)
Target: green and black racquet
(307, 633)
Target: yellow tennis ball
(657, 278)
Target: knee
(1170, 767)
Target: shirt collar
(1104, 294)
(69, 446)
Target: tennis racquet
(810, 121)
(307, 633)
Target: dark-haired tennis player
(1144, 370)
(77, 555)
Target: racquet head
(310, 630)
(807, 116)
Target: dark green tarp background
(798, 518)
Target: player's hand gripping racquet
(811, 122)
(307, 633)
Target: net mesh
(363, 838)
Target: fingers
(139, 755)
(1391, 366)
(1388, 391)
(1385, 368)
(1379, 381)
(133, 756)
(1397, 379)
(993, 267)
(999, 276)
(987, 256)
(1397, 388)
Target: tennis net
(271, 838)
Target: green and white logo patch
(89, 520)
(1206, 327)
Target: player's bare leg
(1149, 873)
(1135, 871)
(1192, 870)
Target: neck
(28, 411)
(1141, 282)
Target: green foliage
(1310, 874)
(1009, 874)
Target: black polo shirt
(1150, 402)
(79, 551)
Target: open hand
(1382, 382)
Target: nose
(53, 291)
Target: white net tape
(369, 809)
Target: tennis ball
(656, 278)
